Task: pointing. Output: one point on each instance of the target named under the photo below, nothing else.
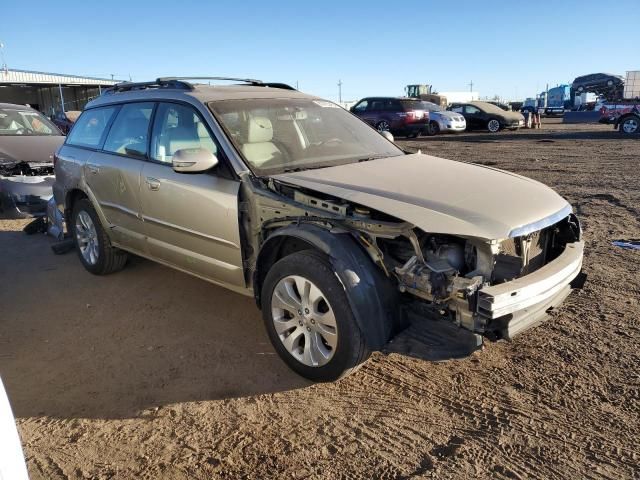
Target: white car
(441, 120)
(12, 466)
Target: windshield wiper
(302, 169)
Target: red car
(398, 115)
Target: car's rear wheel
(383, 126)
(630, 125)
(433, 128)
(493, 125)
(92, 243)
(309, 319)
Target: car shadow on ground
(77, 345)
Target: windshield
(432, 107)
(276, 135)
(25, 122)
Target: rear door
(191, 220)
(113, 173)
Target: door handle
(93, 168)
(152, 183)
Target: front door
(191, 220)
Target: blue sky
(510, 48)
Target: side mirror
(386, 134)
(193, 160)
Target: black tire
(351, 350)
(629, 125)
(433, 128)
(414, 134)
(109, 259)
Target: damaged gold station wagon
(336, 232)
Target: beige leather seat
(259, 149)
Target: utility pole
(297, 88)
(340, 91)
(471, 86)
(3, 62)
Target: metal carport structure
(50, 92)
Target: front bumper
(25, 196)
(453, 127)
(515, 306)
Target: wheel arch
(371, 295)
(71, 197)
(622, 118)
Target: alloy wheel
(383, 126)
(87, 237)
(493, 126)
(630, 125)
(304, 321)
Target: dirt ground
(152, 374)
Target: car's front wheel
(383, 126)
(493, 125)
(92, 243)
(433, 128)
(309, 319)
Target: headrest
(182, 137)
(260, 130)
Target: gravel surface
(152, 374)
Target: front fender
(371, 295)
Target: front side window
(275, 135)
(178, 127)
(89, 130)
(25, 122)
(361, 107)
(129, 133)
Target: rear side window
(89, 129)
(129, 134)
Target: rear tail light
(417, 114)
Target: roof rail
(251, 81)
(159, 83)
(181, 83)
(243, 80)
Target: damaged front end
(25, 188)
(495, 288)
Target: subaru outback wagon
(336, 232)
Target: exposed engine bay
(439, 272)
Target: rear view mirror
(193, 160)
(386, 134)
